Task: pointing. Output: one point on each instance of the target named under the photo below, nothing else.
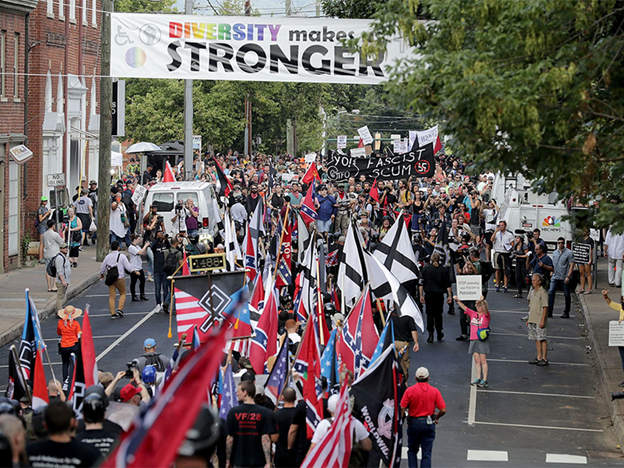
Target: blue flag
(227, 389)
(277, 379)
(386, 339)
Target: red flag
(89, 364)
(257, 298)
(284, 272)
(311, 174)
(334, 448)
(360, 335)
(224, 182)
(374, 192)
(185, 266)
(152, 439)
(308, 366)
(40, 389)
(168, 176)
(264, 344)
(361, 143)
(250, 256)
(308, 209)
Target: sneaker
(581, 291)
(589, 291)
(497, 289)
(150, 278)
(440, 336)
(483, 384)
(461, 338)
(543, 362)
(475, 382)
(534, 361)
(525, 318)
(621, 384)
(565, 316)
(504, 289)
(120, 313)
(114, 316)
(80, 248)
(518, 296)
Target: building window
(93, 14)
(16, 67)
(72, 11)
(61, 4)
(50, 10)
(84, 12)
(2, 64)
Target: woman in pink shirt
(478, 348)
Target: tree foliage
(532, 86)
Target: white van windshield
(165, 200)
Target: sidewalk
(597, 315)
(13, 298)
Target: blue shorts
(323, 226)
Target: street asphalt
(529, 416)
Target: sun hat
(70, 310)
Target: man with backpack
(114, 268)
(151, 358)
(60, 269)
(174, 257)
(51, 241)
(160, 246)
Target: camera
(179, 207)
(529, 235)
(130, 370)
(159, 219)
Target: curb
(616, 414)
(50, 307)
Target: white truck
(524, 209)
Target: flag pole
(50, 363)
(19, 368)
(319, 301)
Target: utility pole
(288, 7)
(188, 114)
(104, 163)
(248, 145)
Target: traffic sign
(56, 180)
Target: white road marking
(549, 336)
(44, 364)
(531, 426)
(551, 362)
(559, 395)
(125, 335)
(95, 337)
(566, 459)
(472, 404)
(125, 313)
(487, 455)
(404, 451)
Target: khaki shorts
(536, 333)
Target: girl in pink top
(479, 349)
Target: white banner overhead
(244, 49)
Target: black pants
(520, 274)
(66, 357)
(434, 306)
(133, 280)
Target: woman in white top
(118, 220)
(134, 253)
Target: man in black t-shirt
(297, 435)
(60, 449)
(405, 332)
(251, 429)
(95, 434)
(284, 418)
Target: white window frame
(50, 9)
(83, 12)
(61, 14)
(72, 11)
(16, 57)
(3, 65)
(94, 14)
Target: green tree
(531, 86)
(144, 6)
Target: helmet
(93, 408)
(8, 406)
(417, 238)
(329, 309)
(98, 390)
(149, 375)
(201, 439)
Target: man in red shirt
(420, 401)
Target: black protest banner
(418, 163)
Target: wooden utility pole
(104, 163)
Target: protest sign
(582, 253)
(616, 333)
(300, 50)
(341, 141)
(418, 162)
(365, 135)
(310, 158)
(469, 287)
(139, 194)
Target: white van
(164, 195)
(524, 209)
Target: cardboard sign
(365, 135)
(197, 142)
(138, 195)
(358, 152)
(582, 253)
(341, 141)
(469, 287)
(400, 146)
(616, 333)
(310, 158)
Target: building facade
(57, 97)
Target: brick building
(55, 110)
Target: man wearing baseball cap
(151, 358)
(420, 401)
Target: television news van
(524, 209)
(165, 196)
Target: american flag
(277, 378)
(228, 392)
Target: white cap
(422, 373)
(332, 403)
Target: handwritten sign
(400, 146)
(365, 135)
(582, 253)
(616, 333)
(139, 193)
(469, 287)
(341, 141)
(358, 152)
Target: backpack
(171, 262)
(486, 270)
(112, 274)
(153, 359)
(51, 268)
